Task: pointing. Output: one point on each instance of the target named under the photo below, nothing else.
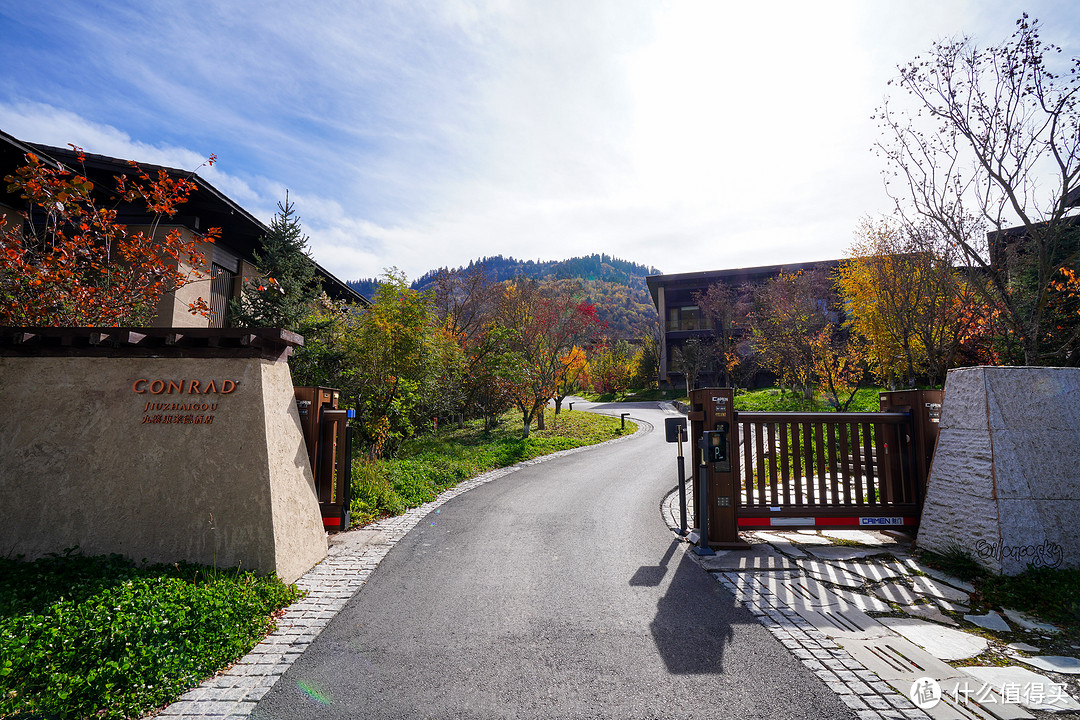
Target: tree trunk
(526, 422)
(558, 405)
(540, 419)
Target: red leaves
(75, 265)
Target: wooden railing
(795, 463)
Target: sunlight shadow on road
(694, 621)
(653, 575)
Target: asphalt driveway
(554, 592)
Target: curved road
(554, 592)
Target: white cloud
(687, 135)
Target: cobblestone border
(234, 693)
(857, 687)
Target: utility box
(924, 406)
(714, 448)
(328, 439)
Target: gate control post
(622, 417)
(925, 409)
(675, 431)
(712, 414)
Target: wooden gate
(329, 445)
(814, 470)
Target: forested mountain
(617, 287)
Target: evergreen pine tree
(282, 295)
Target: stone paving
(816, 599)
(353, 556)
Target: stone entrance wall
(1005, 481)
(197, 459)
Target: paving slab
(782, 544)
(842, 621)
(827, 572)
(759, 557)
(896, 592)
(894, 658)
(935, 588)
(806, 537)
(1054, 663)
(930, 612)
(950, 605)
(941, 642)
(1027, 688)
(950, 580)
(866, 603)
(990, 621)
(875, 572)
(841, 552)
(1022, 647)
(854, 536)
(799, 591)
(916, 566)
(1029, 623)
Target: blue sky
(687, 135)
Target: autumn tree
(726, 309)
(788, 312)
(575, 374)
(904, 295)
(286, 286)
(988, 139)
(839, 365)
(610, 369)
(466, 305)
(541, 322)
(387, 359)
(646, 362)
(692, 358)
(70, 262)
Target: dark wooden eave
(265, 343)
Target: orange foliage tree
(541, 324)
(71, 263)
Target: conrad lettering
(180, 387)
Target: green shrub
(103, 637)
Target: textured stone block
(1005, 482)
(168, 459)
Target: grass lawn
(776, 400)
(765, 400)
(104, 638)
(429, 464)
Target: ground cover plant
(427, 464)
(103, 637)
(1050, 593)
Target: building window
(687, 317)
(222, 282)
